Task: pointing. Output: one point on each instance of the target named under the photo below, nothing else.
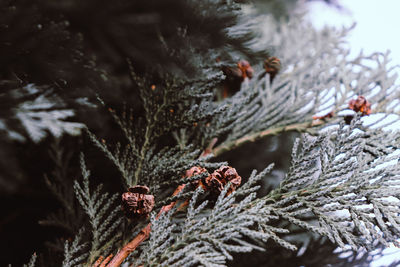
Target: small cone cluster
(272, 66)
(196, 170)
(245, 68)
(360, 105)
(137, 203)
(217, 180)
(235, 76)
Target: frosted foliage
(317, 77)
(208, 237)
(43, 115)
(37, 123)
(174, 105)
(353, 196)
(343, 183)
(332, 189)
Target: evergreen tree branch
(334, 187)
(104, 220)
(208, 237)
(351, 196)
(143, 152)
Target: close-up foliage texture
(192, 133)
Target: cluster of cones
(137, 203)
(235, 76)
(360, 105)
(217, 180)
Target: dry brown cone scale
(137, 203)
(196, 170)
(360, 104)
(235, 76)
(143, 234)
(217, 181)
(272, 66)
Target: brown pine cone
(272, 66)
(360, 105)
(136, 203)
(245, 68)
(235, 76)
(220, 177)
(196, 170)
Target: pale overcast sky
(377, 30)
(378, 23)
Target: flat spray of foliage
(343, 182)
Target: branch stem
(300, 127)
(143, 151)
(151, 121)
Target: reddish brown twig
(98, 262)
(101, 262)
(104, 263)
(168, 207)
(209, 148)
(143, 235)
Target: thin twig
(300, 127)
(98, 262)
(106, 260)
(209, 148)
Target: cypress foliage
(160, 70)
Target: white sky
(377, 30)
(378, 23)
